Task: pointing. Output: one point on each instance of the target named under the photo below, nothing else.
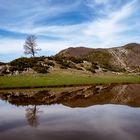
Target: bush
(22, 63)
(113, 68)
(64, 64)
(76, 60)
(62, 61)
(50, 64)
(1, 63)
(50, 57)
(91, 69)
(94, 66)
(78, 68)
(58, 58)
(41, 69)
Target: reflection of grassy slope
(77, 96)
(61, 79)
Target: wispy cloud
(104, 24)
(109, 29)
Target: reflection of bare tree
(32, 116)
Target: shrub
(113, 68)
(1, 63)
(64, 64)
(22, 63)
(78, 68)
(62, 61)
(76, 60)
(91, 69)
(94, 66)
(50, 57)
(50, 64)
(41, 69)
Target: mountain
(80, 60)
(124, 58)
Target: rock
(16, 73)
(29, 71)
(3, 69)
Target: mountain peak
(75, 51)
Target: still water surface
(84, 113)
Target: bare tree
(30, 46)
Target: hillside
(80, 60)
(75, 52)
(124, 58)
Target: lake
(101, 112)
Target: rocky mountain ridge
(125, 58)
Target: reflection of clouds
(108, 120)
(9, 114)
(111, 122)
(114, 120)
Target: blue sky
(60, 24)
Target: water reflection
(58, 122)
(71, 113)
(78, 96)
(32, 115)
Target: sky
(59, 24)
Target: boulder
(3, 69)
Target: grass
(34, 81)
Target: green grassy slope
(61, 80)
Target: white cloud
(110, 29)
(10, 46)
(106, 31)
(53, 46)
(102, 30)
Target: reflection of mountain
(78, 97)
